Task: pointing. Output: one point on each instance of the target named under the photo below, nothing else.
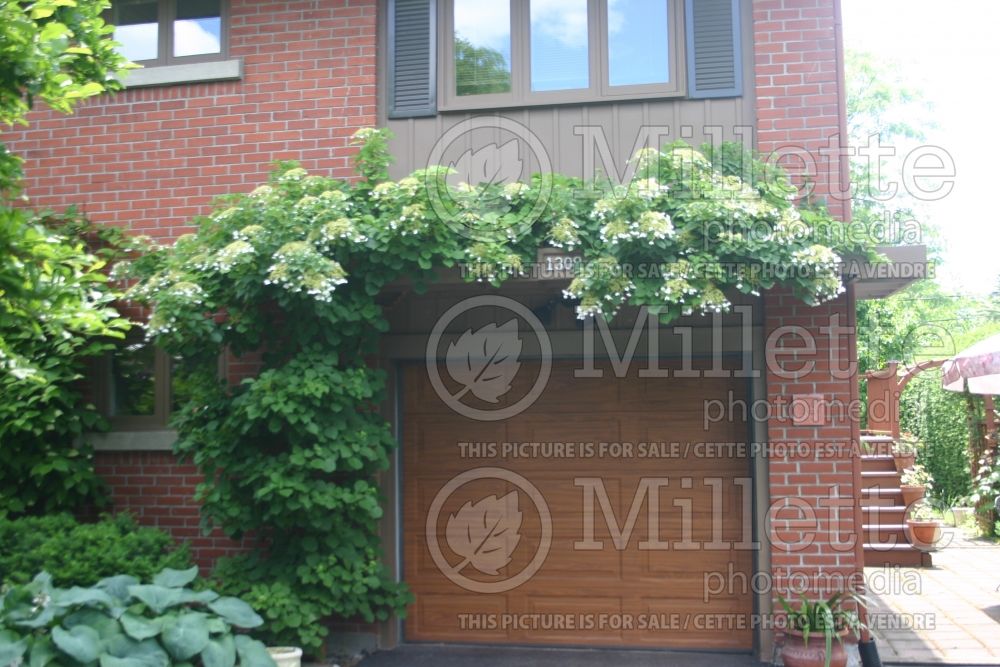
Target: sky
(951, 52)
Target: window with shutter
(517, 53)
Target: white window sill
(169, 75)
(133, 441)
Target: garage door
(596, 517)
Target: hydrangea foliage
(292, 271)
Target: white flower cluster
(565, 233)
(651, 227)
(235, 253)
(341, 229)
(298, 268)
(649, 188)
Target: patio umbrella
(976, 368)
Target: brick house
(231, 86)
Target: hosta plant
(121, 622)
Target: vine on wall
(292, 270)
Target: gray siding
(554, 125)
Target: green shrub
(80, 554)
(123, 623)
(938, 419)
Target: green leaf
(185, 636)
(171, 578)
(118, 586)
(43, 651)
(139, 628)
(220, 652)
(12, 647)
(76, 596)
(236, 612)
(146, 653)
(157, 598)
(108, 660)
(253, 653)
(81, 643)
(99, 620)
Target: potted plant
(904, 452)
(817, 623)
(923, 528)
(915, 482)
(286, 656)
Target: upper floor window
(516, 52)
(456, 55)
(170, 32)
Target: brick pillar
(801, 113)
(813, 522)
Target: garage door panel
(573, 582)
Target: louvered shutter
(714, 57)
(412, 90)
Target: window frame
(162, 395)
(521, 94)
(166, 14)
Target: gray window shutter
(714, 57)
(412, 65)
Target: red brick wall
(800, 110)
(159, 491)
(150, 159)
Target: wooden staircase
(883, 509)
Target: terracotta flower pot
(797, 653)
(923, 534)
(912, 494)
(903, 461)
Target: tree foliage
(55, 307)
(480, 70)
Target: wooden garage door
(588, 589)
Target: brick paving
(947, 614)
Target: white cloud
(562, 20)
(484, 23)
(196, 36)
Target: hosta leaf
(12, 647)
(105, 626)
(42, 652)
(236, 612)
(76, 596)
(172, 578)
(185, 636)
(146, 653)
(253, 653)
(220, 652)
(81, 643)
(157, 598)
(139, 628)
(118, 586)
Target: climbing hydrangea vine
(289, 275)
